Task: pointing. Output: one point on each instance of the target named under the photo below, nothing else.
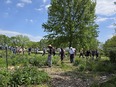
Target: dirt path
(64, 78)
(70, 78)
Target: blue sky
(26, 17)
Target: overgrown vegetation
(110, 49)
(23, 76)
(95, 66)
(109, 83)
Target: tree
(19, 40)
(4, 39)
(110, 48)
(71, 22)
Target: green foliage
(55, 60)
(71, 21)
(77, 61)
(29, 75)
(4, 39)
(104, 67)
(4, 78)
(19, 60)
(81, 67)
(38, 61)
(110, 48)
(95, 66)
(2, 62)
(112, 55)
(23, 76)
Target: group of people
(72, 53)
(17, 50)
(89, 53)
(51, 51)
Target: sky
(25, 17)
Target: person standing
(50, 52)
(72, 52)
(44, 51)
(29, 51)
(62, 54)
(81, 53)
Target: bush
(110, 48)
(29, 75)
(23, 76)
(112, 55)
(4, 78)
(38, 61)
(18, 60)
(81, 67)
(103, 66)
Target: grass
(82, 68)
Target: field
(32, 71)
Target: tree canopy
(71, 23)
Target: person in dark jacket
(50, 52)
(62, 54)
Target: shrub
(103, 66)
(38, 61)
(110, 48)
(19, 60)
(23, 76)
(81, 67)
(112, 55)
(4, 78)
(29, 75)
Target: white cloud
(38, 9)
(47, 6)
(20, 5)
(111, 26)
(44, 1)
(105, 7)
(26, 1)
(23, 3)
(100, 19)
(13, 33)
(29, 20)
(103, 19)
(8, 1)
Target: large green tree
(71, 22)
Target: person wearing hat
(50, 52)
(72, 52)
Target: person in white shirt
(72, 52)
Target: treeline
(19, 40)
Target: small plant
(81, 67)
(77, 62)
